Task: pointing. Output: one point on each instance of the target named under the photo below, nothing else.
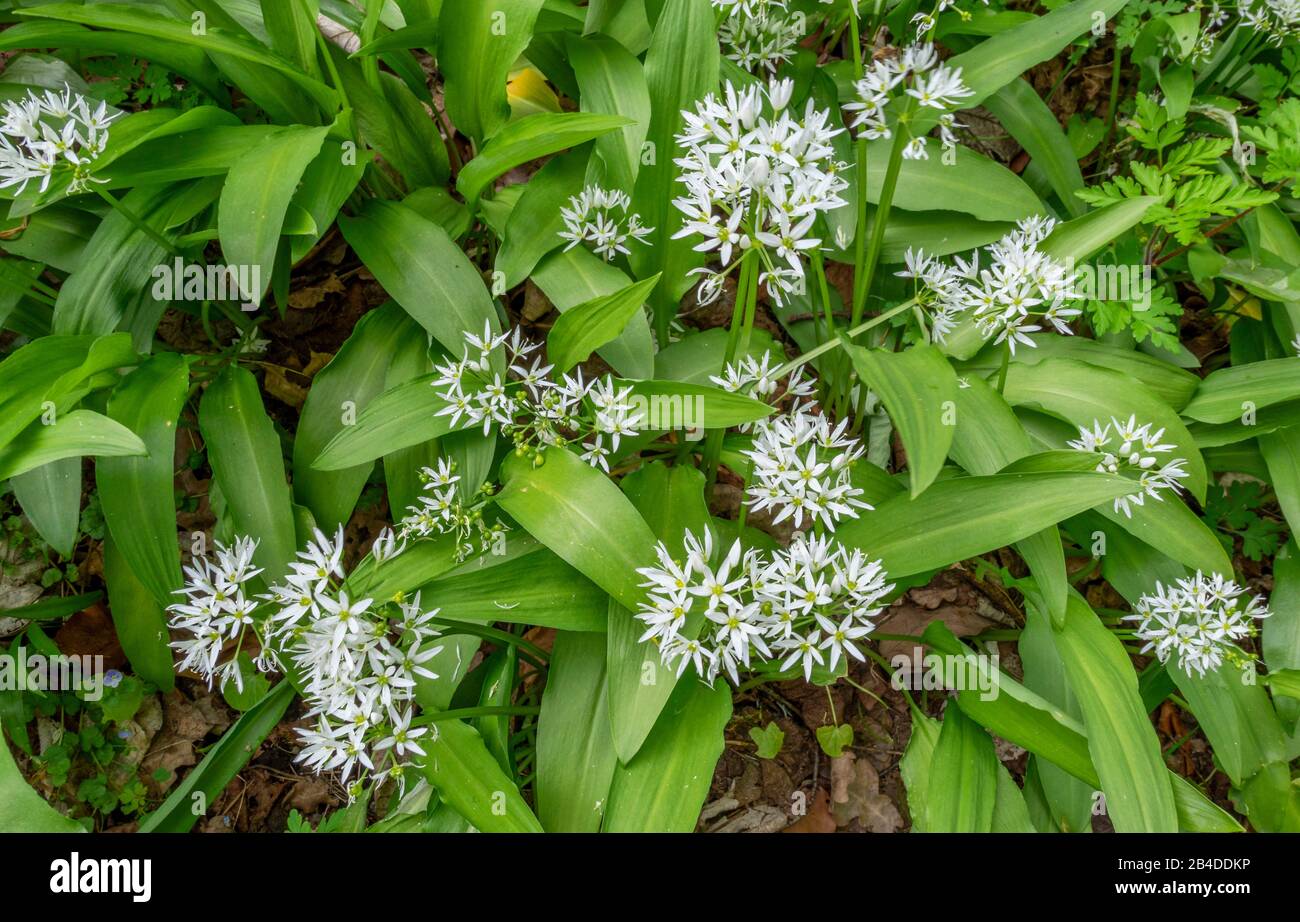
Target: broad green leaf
(579, 514)
(73, 435)
(1281, 451)
(1121, 740)
(402, 416)
(681, 67)
(915, 766)
(575, 277)
(671, 500)
(138, 618)
(470, 780)
(1029, 120)
(39, 378)
(575, 753)
(974, 185)
(987, 438)
(663, 788)
(966, 516)
(529, 138)
(1281, 641)
(203, 783)
(535, 588)
(533, 229)
(256, 196)
(291, 26)
(342, 389)
(500, 671)
(1085, 394)
(1237, 717)
(248, 466)
(612, 81)
(214, 41)
(50, 497)
(919, 390)
(581, 330)
(998, 60)
(1238, 390)
(479, 44)
(963, 777)
(423, 270)
(693, 407)
(21, 808)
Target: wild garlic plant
(599, 217)
(760, 35)
(358, 659)
(529, 406)
(442, 510)
(1133, 448)
(1022, 288)
(802, 607)
(44, 135)
(903, 88)
(756, 177)
(1198, 622)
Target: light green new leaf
(138, 494)
(579, 514)
(919, 390)
(423, 270)
(75, 434)
(1121, 739)
(580, 331)
(248, 466)
(256, 198)
(478, 46)
(575, 753)
(527, 139)
(974, 185)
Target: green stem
(493, 634)
(471, 713)
(138, 222)
(746, 290)
(846, 336)
(881, 219)
(1002, 371)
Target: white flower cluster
(913, 81)
(41, 133)
(804, 606)
(358, 660)
(802, 466)
(597, 216)
(756, 176)
(760, 33)
(441, 511)
(1275, 19)
(531, 407)
(1021, 285)
(925, 22)
(756, 377)
(217, 610)
(1133, 448)
(1198, 621)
